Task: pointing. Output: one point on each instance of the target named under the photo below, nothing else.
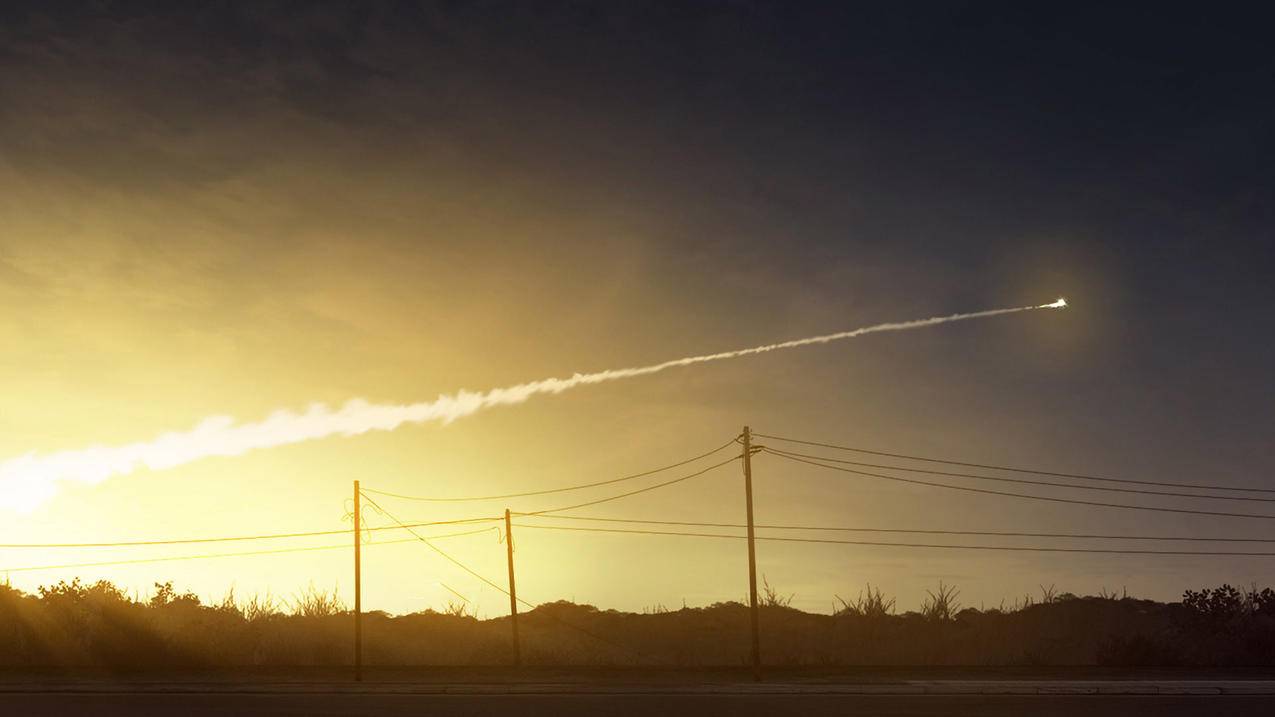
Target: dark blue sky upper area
(1144, 126)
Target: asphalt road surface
(565, 692)
(598, 705)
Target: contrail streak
(29, 480)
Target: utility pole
(513, 589)
(358, 592)
(752, 554)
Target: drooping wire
(1070, 501)
(910, 531)
(426, 541)
(271, 536)
(1077, 476)
(490, 583)
(828, 541)
(549, 491)
(230, 555)
(452, 590)
(608, 499)
(1025, 481)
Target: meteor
(29, 480)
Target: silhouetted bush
(1227, 626)
(97, 624)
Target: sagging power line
(1025, 496)
(1025, 481)
(914, 531)
(829, 541)
(244, 554)
(492, 584)
(1033, 471)
(647, 489)
(236, 538)
(548, 491)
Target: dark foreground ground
(592, 705)
(569, 692)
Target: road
(990, 698)
(601, 705)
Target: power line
(435, 548)
(564, 489)
(1027, 496)
(696, 474)
(474, 573)
(988, 533)
(1077, 476)
(449, 588)
(778, 539)
(1025, 481)
(271, 536)
(229, 555)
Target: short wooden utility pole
(358, 592)
(513, 589)
(752, 554)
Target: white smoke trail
(29, 480)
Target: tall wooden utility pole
(358, 592)
(513, 589)
(752, 554)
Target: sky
(244, 207)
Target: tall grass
(942, 605)
(871, 603)
(312, 602)
(772, 597)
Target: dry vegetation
(77, 624)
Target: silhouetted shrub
(1219, 607)
(71, 623)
